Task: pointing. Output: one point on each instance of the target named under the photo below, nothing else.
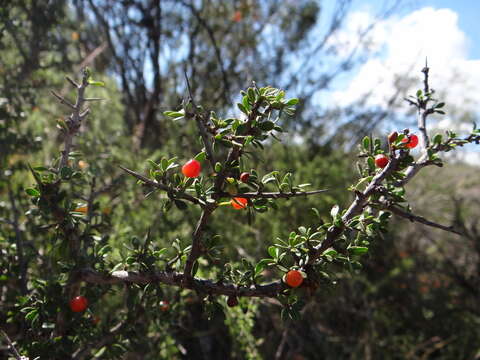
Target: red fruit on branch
(192, 168)
(244, 177)
(239, 203)
(294, 278)
(381, 160)
(78, 303)
(164, 305)
(232, 301)
(410, 141)
(392, 137)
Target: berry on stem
(78, 303)
(294, 278)
(244, 177)
(164, 305)
(410, 141)
(232, 301)
(192, 168)
(381, 160)
(82, 209)
(392, 137)
(239, 203)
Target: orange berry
(294, 278)
(81, 209)
(82, 164)
(192, 168)
(239, 203)
(381, 160)
(237, 16)
(78, 303)
(164, 305)
(410, 141)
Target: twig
(274, 195)
(177, 279)
(415, 218)
(63, 100)
(355, 208)
(196, 238)
(18, 241)
(201, 128)
(180, 195)
(423, 110)
(12, 347)
(75, 119)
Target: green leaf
(273, 252)
(95, 83)
(218, 167)
(366, 143)
(371, 163)
(31, 315)
(201, 156)
(32, 192)
(242, 108)
(293, 101)
(66, 172)
(100, 352)
(177, 115)
(439, 105)
(266, 125)
(357, 250)
(437, 139)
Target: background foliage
(413, 282)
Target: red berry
(294, 278)
(239, 203)
(410, 141)
(244, 177)
(381, 160)
(164, 305)
(392, 137)
(191, 168)
(78, 303)
(232, 301)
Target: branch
(273, 195)
(178, 194)
(196, 237)
(415, 218)
(177, 279)
(22, 263)
(75, 119)
(201, 128)
(63, 100)
(12, 347)
(355, 208)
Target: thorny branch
(362, 199)
(75, 119)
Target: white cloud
(401, 45)
(405, 43)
